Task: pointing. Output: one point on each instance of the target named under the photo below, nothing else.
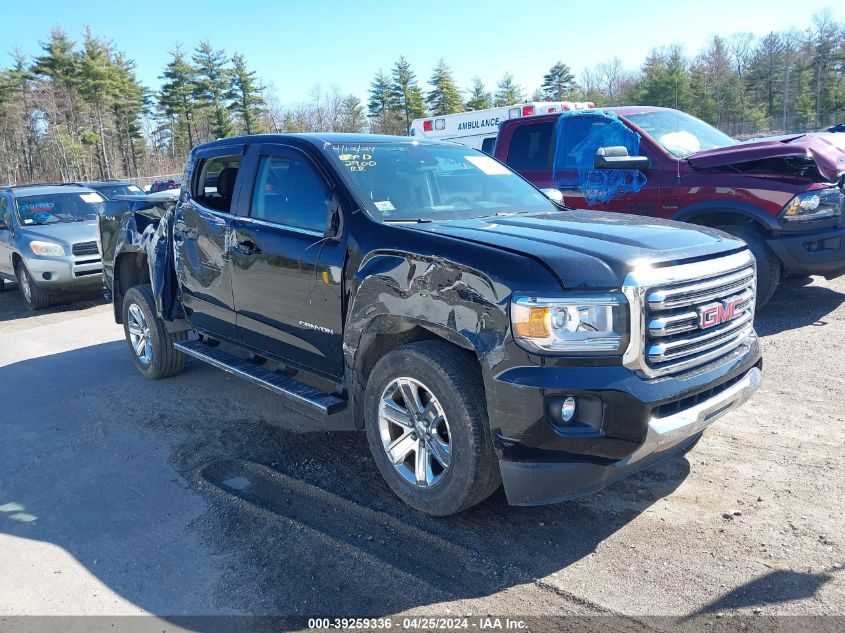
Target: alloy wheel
(414, 432)
(139, 334)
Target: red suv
(784, 195)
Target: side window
(532, 147)
(576, 129)
(215, 183)
(290, 191)
(488, 145)
(5, 216)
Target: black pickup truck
(480, 333)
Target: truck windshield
(54, 208)
(409, 181)
(679, 133)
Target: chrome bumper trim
(668, 431)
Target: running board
(299, 392)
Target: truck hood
(825, 150)
(589, 248)
(65, 233)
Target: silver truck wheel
(425, 416)
(415, 432)
(139, 334)
(150, 344)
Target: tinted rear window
(532, 147)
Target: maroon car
(784, 195)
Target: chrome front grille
(687, 315)
(85, 248)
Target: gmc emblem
(721, 312)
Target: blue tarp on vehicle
(575, 166)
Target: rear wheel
(768, 265)
(34, 297)
(150, 344)
(427, 428)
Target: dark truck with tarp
(782, 195)
(480, 333)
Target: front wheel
(426, 422)
(34, 297)
(150, 344)
(768, 265)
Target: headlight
(815, 204)
(47, 249)
(571, 324)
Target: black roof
(315, 138)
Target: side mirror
(4, 222)
(617, 158)
(553, 194)
(334, 218)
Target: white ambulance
(478, 128)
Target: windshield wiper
(410, 220)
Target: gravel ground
(202, 494)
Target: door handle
(248, 247)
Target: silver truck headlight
(47, 249)
(582, 324)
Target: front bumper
(624, 421)
(65, 272)
(531, 483)
(816, 253)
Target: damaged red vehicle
(783, 196)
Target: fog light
(47, 276)
(567, 409)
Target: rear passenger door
(6, 236)
(531, 152)
(202, 233)
(287, 277)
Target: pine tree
(479, 98)
(176, 99)
(128, 107)
(557, 83)
(508, 92)
(444, 98)
(352, 117)
(405, 94)
(247, 102)
(212, 85)
(380, 103)
(98, 83)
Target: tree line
(77, 111)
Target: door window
(215, 186)
(290, 192)
(532, 147)
(576, 130)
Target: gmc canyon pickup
(478, 332)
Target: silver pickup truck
(48, 240)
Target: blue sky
(295, 45)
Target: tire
(444, 382)
(150, 344)
(34, 297)
(768, 265)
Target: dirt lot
(203, 495)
